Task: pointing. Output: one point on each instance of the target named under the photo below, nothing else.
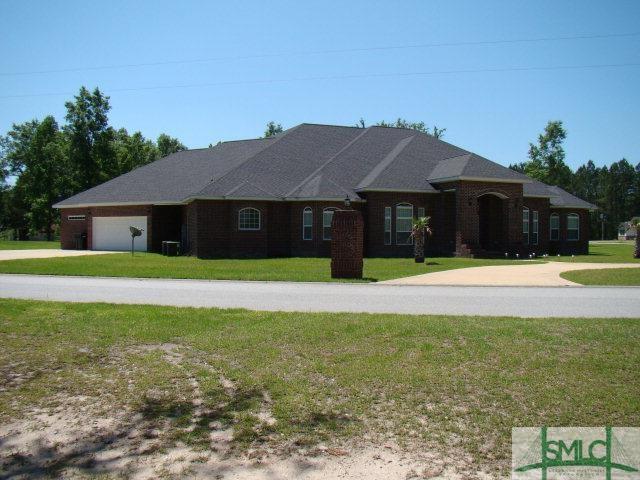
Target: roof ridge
(388, 159)
(275, 140)
(332, 158)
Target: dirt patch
(67, 444)
(192, 437)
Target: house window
(307, 224)
(534, 229)
(327, 217)
(421, 212)
(404, 219)
(76, 217)
(554, 227)
(387, 225)
(525, 226)
(573, 227)
(249, 219)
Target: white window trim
(577, 229)
(245, 229)
(422, 212)
(551, 229)
(410, 241)
(526, 239)
(76, 218)
(324, 227)
(388, 215)
(535, 230)
(306, 210)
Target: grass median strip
(295, 380)
(607, 276)
(27, 245)
(152, 265)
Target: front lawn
(151, 265)
(607, 276)
(604, 253)
(27, 244)
(286, 382)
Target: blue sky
(495, 114)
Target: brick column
(347, 239)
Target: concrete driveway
(46, 253)
(533, 275)
(332, 297)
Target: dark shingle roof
(557, 196)
(172, 178)
(562, 198)
(307, 161)
(470, 165)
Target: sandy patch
(532, 275)
(80, 437)
(47, 253)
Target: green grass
(151, 265)
(604, 253)
(607, 276)
(427, 380)
(26, 245)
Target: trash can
(80, 241)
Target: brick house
(275, 197)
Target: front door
(491, 222)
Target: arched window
(404, 220)
(573, 227)
(554, 227)
(327, 217)
(307, 223)
(525, 226)
(249, 219)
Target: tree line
(42, 162)
(615, 189)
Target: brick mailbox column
(347, 240)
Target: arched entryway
(492, 221)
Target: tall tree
(168, 145)
(43, 175)
(90, 138)
(131, 151)
(272, 129)
(546, 158)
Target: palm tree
(635, 223)
(419, 230)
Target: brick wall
(567, 247)
(317, 246)
(374, 222)
(542, 206)
(69, 227)
(467, 218)
(211, 226)
(347, 244)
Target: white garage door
(112, 233)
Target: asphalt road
(333, 297)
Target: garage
(112, 233)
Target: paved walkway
(333, 297)
(533, 275)
(46, 253)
